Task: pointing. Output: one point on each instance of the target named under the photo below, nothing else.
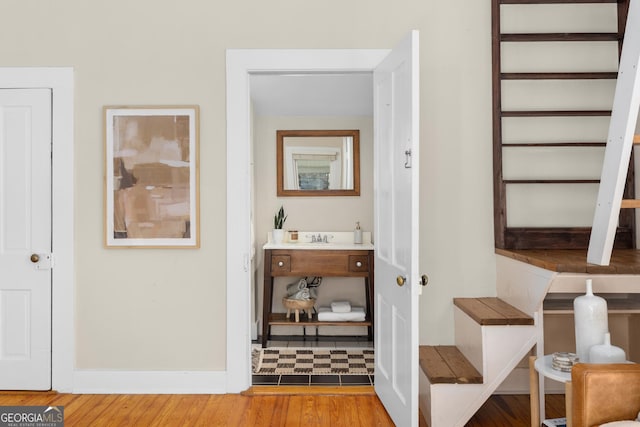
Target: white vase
(606, 353)
(591, 323)
(278, 235)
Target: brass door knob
(400, 280)
(34, 258)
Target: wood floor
(308, 410)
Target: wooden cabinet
(316, 262)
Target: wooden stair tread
(556, 113)
(630, 204)
(594, 75)
(558, 37)
(554, 1)
(492, 311)
(445, 364)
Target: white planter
(591, 322)
(278, 235)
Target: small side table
(543, 366)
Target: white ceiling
(312, 94)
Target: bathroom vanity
(332, 257)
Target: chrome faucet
(319, 238)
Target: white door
(396, 140)
(25, 239)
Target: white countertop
(336, 241)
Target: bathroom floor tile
(265, 379)
(355, 380)
(325, 380)
(295, 379)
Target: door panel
(25, 230)
(396, 140)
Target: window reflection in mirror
(318, 162)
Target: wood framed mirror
(318, 163)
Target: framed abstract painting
(151, 177)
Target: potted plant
(278, 223)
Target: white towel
(356, 314)
(341, 306)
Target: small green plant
(279, 219)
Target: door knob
(280, 264)
(34, 258)
(400, 280)
(424, 280)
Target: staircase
(555, 67)
(491, 338)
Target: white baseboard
(149, 382)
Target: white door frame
(60, 81)
(240, 64)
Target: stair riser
(468, 338)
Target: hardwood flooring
(304, 409)
(514, 411)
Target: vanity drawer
(358, 263)
(280, 263)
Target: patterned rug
(314, 361)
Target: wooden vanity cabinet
(316, 262)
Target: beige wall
(165, 309)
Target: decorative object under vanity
(591, 322)
(296, 305)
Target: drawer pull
(358, 264)
(280, 264)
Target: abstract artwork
(151, 176)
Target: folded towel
(293, 288)
(356, 314)
(302, 294)
(341, 306)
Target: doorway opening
(316, 101)
(245, 246)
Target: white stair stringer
(494, 350)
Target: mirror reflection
(318, 162)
